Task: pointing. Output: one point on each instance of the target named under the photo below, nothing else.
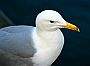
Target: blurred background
(76, 51)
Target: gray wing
(18, 29)
(17, 40)
(16, 46)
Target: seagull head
(50, 20)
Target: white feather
(49, 46)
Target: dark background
(76, 51)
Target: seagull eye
(52, 21)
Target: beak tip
(78, 30)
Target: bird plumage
(34, 46)
(15, 42)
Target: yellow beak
(71, 27)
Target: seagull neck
(49, 38)
(47, 34)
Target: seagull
(24, 45)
